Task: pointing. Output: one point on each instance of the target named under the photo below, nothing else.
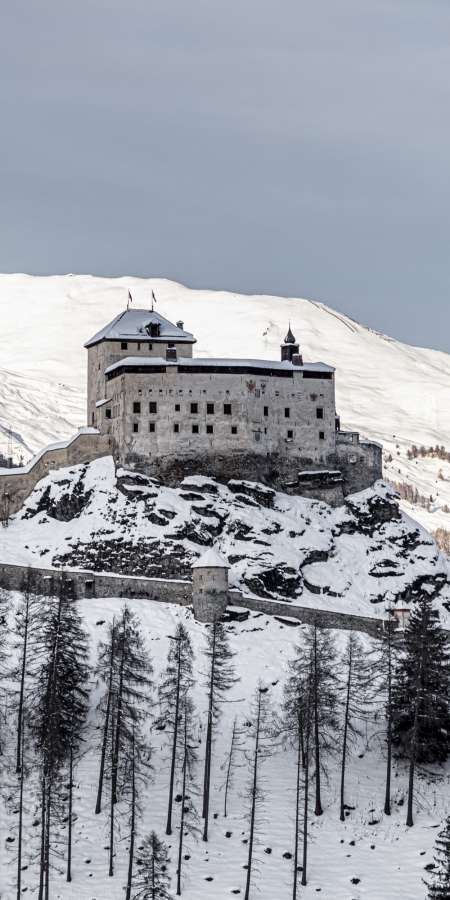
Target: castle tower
(290, 348)
(210, 586)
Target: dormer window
(153, 329)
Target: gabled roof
(211, 560)
(131, 325)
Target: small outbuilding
(210, 586)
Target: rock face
(280, 547)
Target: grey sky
(294, 147)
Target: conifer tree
(384, 659)
(58, 706)
(439, 889)
(355, 698)
(26, 623)
(4, 655)
(136, 775)
(261, 733)
(421, 693)
(315, 668)
(220, 678)
(296, 725)
(153, 879)
(177, 680)
(230, 764)
(189, 758)
(125, 669)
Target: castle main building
(167, 411)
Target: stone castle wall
(86, 585)
(16, 484)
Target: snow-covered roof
(265, 364)
(211, 560)
(132, 325)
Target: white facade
(159, 401)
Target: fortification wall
(16, 484)
(85, 585)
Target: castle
(171, 414)
(161, 411)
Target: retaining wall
(16, 484)
(86, 585)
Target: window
(210, 409)
(139, 346)
(234, 429)
(266, 410)
(151, 427)
(194, 407)
(319, 412)
(209, 429)
(153, 407)
(153, 329)
(287, 412)
(290, 435)
(321, 435)
(124, 345)
(176, 427)
(171, 345)
(107, 414)
(195, 429)
(227, 409)
(177, 407)
(150, 346)
(93, 414)
(136, 406)
(135, 427)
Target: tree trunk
(387, 799)
(230, 761)
(415, 732)
(305, 812)
(22, 683)
(318, 811)
(47, 841)
(253, 809)
(174, 746)
(118, 729)
(297, 804)
(207, 778)
(344, 743)
(111, 807)
(42, 854)
(133, 821)
(69, 836)
(183, 800)
(20, 835)
(98, 805)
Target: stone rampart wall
(16, 484)
(85, 585)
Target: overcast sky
(292, 147)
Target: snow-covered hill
(394, 393)
(354, 559)
(369, 856)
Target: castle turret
(210, 586)
(290, 349)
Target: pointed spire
(289, 339)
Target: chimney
(180, 324)
(171, 354)
(297, 359)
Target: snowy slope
(367, 857)
(354, 559)
(392, 392)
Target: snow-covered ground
(385, 858)
(280, 547)
(391, 392)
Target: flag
(153, 297)
(130, 299)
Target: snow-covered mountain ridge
(391, 392)
(355, 559)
